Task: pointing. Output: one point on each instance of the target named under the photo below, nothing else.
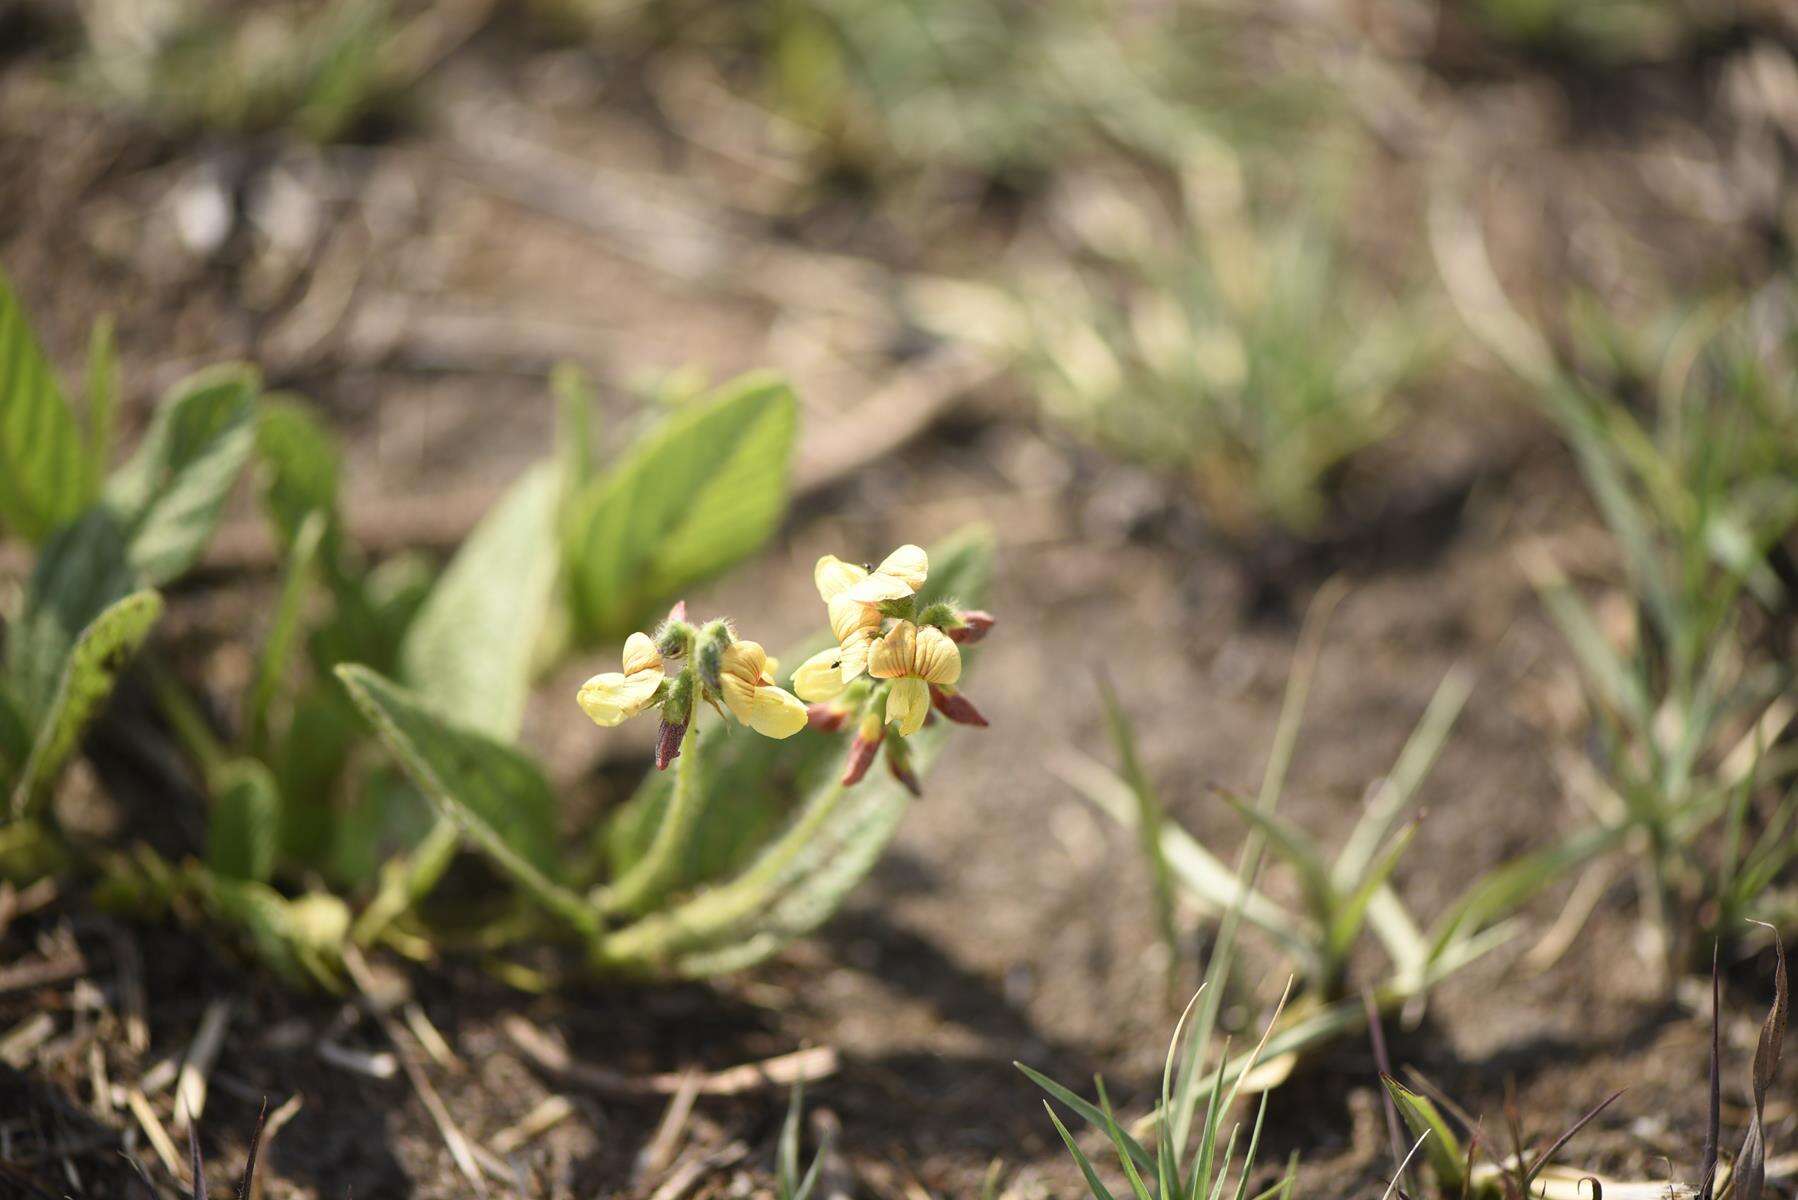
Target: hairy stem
(653, 876)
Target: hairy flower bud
(974, 625)
(868, 736)
(712, 641)
(668, 743)
(956, 707)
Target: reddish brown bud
(975, 622)
(861, 757)
(668, 740)
(956, 707)
(825, 718)
(899, 763)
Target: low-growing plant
(566, 555)
(1247, 352)
(1175, 1168)
(106, 541)
(734, 851)
(1687, 704)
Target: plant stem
(654, 875)
(187, 722)
(639, 947)
(405, 880)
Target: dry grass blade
(1573, 1129)
(1750, 1174)
(783, 1070)
(1707, 1172)
(247, 1183)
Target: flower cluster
(892, 665)
(719, 668)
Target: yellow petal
(849, 617)
(640, 654)
(820, 677)
(834, 576)
(937, 659)
(908, 564)
(612, 698)
(908, 703)
(892, 655)
(855, 654)
(775, 713)
(878, 588)
(739, 696)
(745, 660)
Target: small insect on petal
(908, 703)
(820, 677)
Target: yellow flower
(747, 679)
(899, 575)
(614, 697)
(913, 659)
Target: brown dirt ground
(1009, 921)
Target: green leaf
(245, 828)
(15, 737)
(99, 653)
(277, 648)
(300, 464)
(309, 762)
(169, 494)
(702, 491)
(494, 794)
(470, 648)
(1441, 1147)
(80, 571)
(45, 479)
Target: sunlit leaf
(45, 475)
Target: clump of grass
(318, 69)
(1346, 896)
(1689, 704)
(1247, 351)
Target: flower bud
(955, 706)
(668, 742)
(899, 763)
(975, 623)
(868, 736)
(712, 641)
(675, 635)
(825, 718)
(678, 613)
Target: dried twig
(783, 1070)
